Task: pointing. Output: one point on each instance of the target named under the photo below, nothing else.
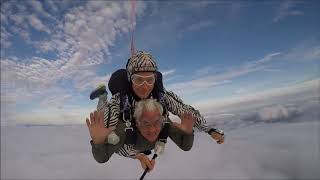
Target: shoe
(101, 89)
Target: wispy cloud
(18, 22)
(168, 72)
(307, 50)
(210, 81)
(38, 7)
(197, 26)
(210, 70)
(242, 91)
(286, 9)
(299, 91)
(272, 70)
(37, 24)
(81, 40)
(5, 36)
(174, 20)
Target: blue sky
(53, 53)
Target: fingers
(95, 114)
(186, 116)
(187, 122)
(92, 119)
(153, 162)
(96, 117)
(99, 117)
(177, 125)
(143, 165)
(188, 119)
(218, 137)
(148, 164)
(88, 123)
(220, 141)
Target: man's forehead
(150, 115)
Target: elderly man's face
(143, 83)
(150, 125)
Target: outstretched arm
(100, 149)
(176, 106)
(182, 133)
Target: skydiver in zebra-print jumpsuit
(139, 63)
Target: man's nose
(152, 129)
(144, 85)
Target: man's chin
(152, 139)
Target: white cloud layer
(274, 112)
(272, 151)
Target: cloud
(37, 5)
(274, 112)
(285, 10)
(197, 26)
(57, 100)
(272, 70)
(308, 50)
(242, 91)
(209, 70)
(282, 109)
(168, 72)
(90, 80)
(209, 81)
(298, 92)
(174, 20)
(5, 36)
(280, 152)
(19, 21)
(59, 115)
(80, 38)
(37, 24)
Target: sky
(219, 56)
(252, 69)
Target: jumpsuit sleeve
(176, 106)
(183, 140)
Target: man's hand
(218, 137)
(187, 122)
(145, 161)
(98, 131)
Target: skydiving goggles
(139, 80)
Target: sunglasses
(140, 80)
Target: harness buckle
(128, 128)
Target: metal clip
(128, 124)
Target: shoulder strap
(164, 133)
